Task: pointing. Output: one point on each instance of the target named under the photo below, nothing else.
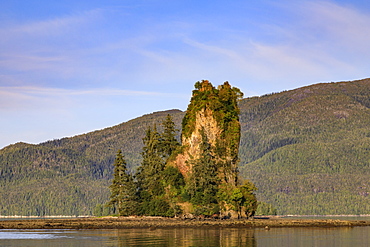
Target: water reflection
(304, 236)
(342, 236)
(185, 237)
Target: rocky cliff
(213, 112)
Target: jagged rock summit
(208, 158)
(213, 114)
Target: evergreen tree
(169, 142)
(243, 199)
(149, 176)
(149, 173)
(159, 185)
(264, 208)
(249, 201)
(204, 182)
(123, 189)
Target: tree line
(159, 189)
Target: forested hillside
(70, 176)
(307, 150)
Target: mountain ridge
(306, 149)
(314, 151)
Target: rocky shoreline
(159, 222)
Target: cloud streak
(103, 60)
(320, 41)
(50, 27)
(23, 97)
(51, 92)
(344, 24)
(312, 46)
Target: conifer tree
(204, 182)
(158, 184)
(123, 189)
(149, 176)
(249, 202)
(149, 173)
(169, 142)
(172, 178)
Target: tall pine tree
(158, 183)
(204, 181)
(123, 189)
(149, 173)
(149, 176)
(168, 142)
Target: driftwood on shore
(159, 222)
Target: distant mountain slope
(71, 175)
(307, 150)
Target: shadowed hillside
(307, 150)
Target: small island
(188, 185)
(197, 178)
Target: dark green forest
(70, 176)
(307, 151)
(183, 179)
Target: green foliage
(159, 185)
(204, 182)
(307, 150)
(173, 177)
(212, 185)
(223, 102)
(78, 168)
(149, 173)
(168, 141)
(103, 210)
(123, 189)
(242, 198)
(264, 208)
(248, 200)
(43, 197)
(157, 206)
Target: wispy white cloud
(343, 24)
(47, 48)
(98, 59)
(27, 62)
(18, 97)
(27, 90)
(53, 26)
(35, 114)
(312, 44)
(321, 41)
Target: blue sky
(71, 67)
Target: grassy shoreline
(159, 222)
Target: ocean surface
(303, 236)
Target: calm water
(356, 236)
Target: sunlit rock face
(204, 120)
(215, 113)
